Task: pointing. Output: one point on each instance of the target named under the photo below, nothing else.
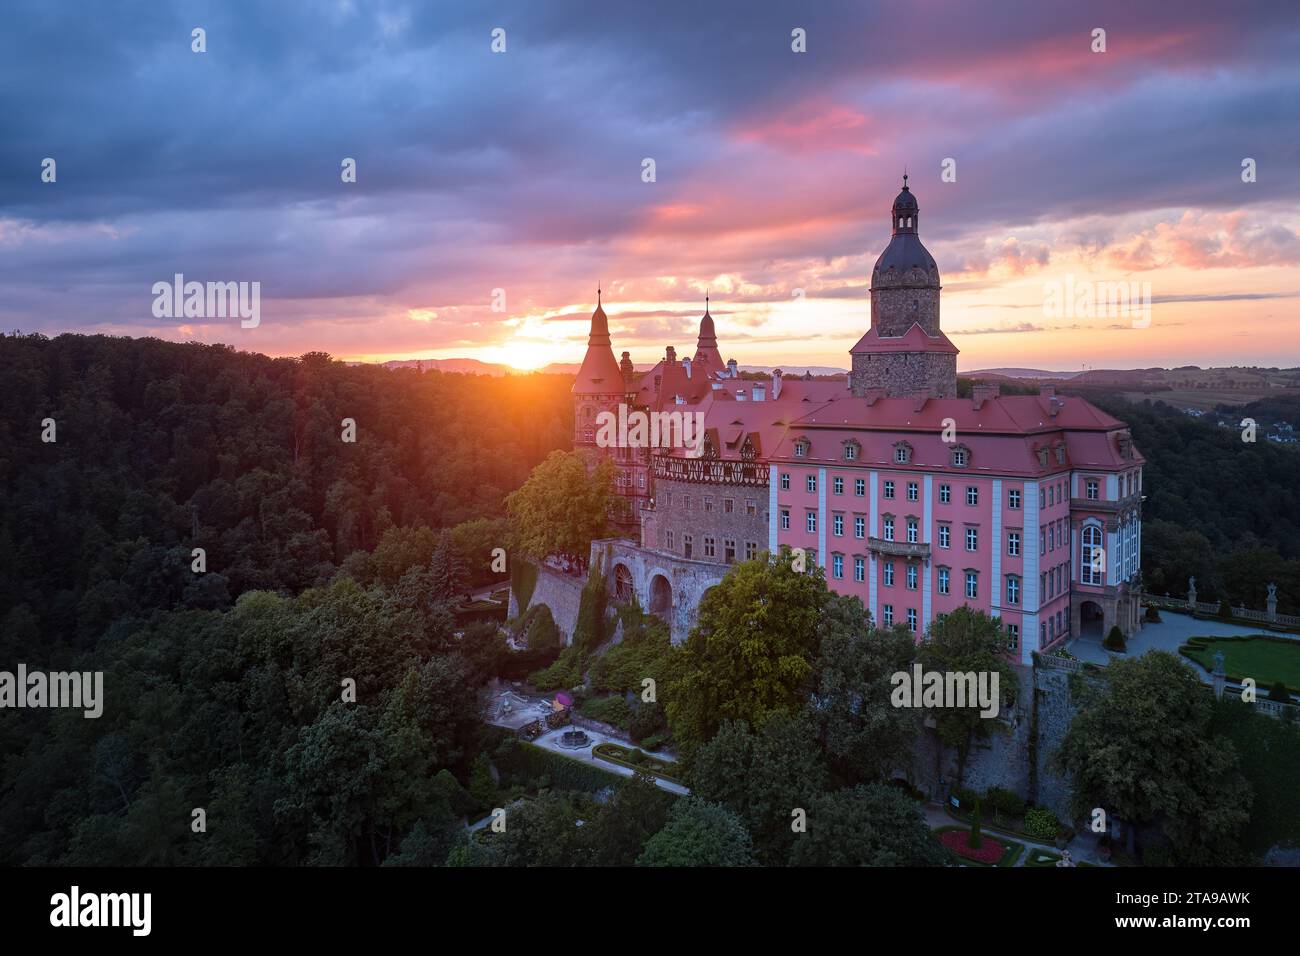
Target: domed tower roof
(905, 251)
(600, 373)
(706, 347)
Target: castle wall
(562, 593)
(905, 373)
(895, 310)
(682, 509)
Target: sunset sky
(775, 172)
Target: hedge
(525, 762)
(523, 579)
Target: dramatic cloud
(522, 171)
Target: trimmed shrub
(525, 763)
(1115, 640)
(647, 720)
(1225, 609)
(1004, 803)
(542, 632)
(523, 579)
(1041, 824)
(1152, 615)
(608, 710)
(653, 742)
(1278, 692)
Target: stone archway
(1092, 619)
(624, 589)
(661, 597)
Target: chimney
(982, 392)
(626, 367)
(732, 371)
(776, 384)
(1047, 391)
(686, 364)
(670, 355)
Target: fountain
(574, 740)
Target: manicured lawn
(1041, 858)
(994, 851)
(1265, 659)
(636, 759)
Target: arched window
(1092, 569)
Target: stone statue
(1272, 592)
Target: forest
(334, 564)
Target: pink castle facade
(913, 499)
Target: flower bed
(635, 759)
(994, 851)
(989, 853)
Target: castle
(916, 500)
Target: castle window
(859, 569)
(800, 449)
(837, 525)
(785, 519)
(887, 614)
(972, 539)
(912, 531)
(945, 494)
(1013, 589)
(811, 523)
(729, 550)
(944, 580)
(889, 489)
(1013, 543)
(728, 505)
(860, 486)
(751, 550)
(785, 481)
(913, 491)
(900, 454)
(851, 448)
(838, 486)
(960, 456)
(688, 543)
(751, 506)
(889, 574)
(972, 584)
(708, 504)
(837, 565)
(1013, 498)
(859, 527)
(1013, 637)
(889, 529)
(911, 577)
(911, 619)
(1093, 489)
(945, 535)
(972, 495)
(709, 547)
(810, 482)
(1093, 557)
(670, 540)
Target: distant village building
(1027, 507)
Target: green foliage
(699, 834)
(876, 825)
(646, 651)
(967, 641)
(561, 508)
(589, 630)
(1004, 803)
(1225, 609)
(524, 763)
(523, 580)
(751, 655)
(864, 735)
(1269, 752)
(646, 721)
(609, 710)
(1041, 824)
(638, 811)
(542, 632)
(975, 840)
(762, 776)
(1145, 749)
(1115, 640)
(400, 550)
(482, 788)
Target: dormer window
(1059, 448)
(902, 453)
(960, 456)
(801, 449)
(851, 449)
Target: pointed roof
(914, 339)
(600, 373)
(706, 347)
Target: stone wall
(1004, 759)
(905, 373)
(894, 310)
(663, 584)
(685, 508)
(562, 593)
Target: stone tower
(600, 385)
(905, 351)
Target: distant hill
(990, 373)
(465, 365)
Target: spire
(706, 347)
(600, 372)
(905, 212)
